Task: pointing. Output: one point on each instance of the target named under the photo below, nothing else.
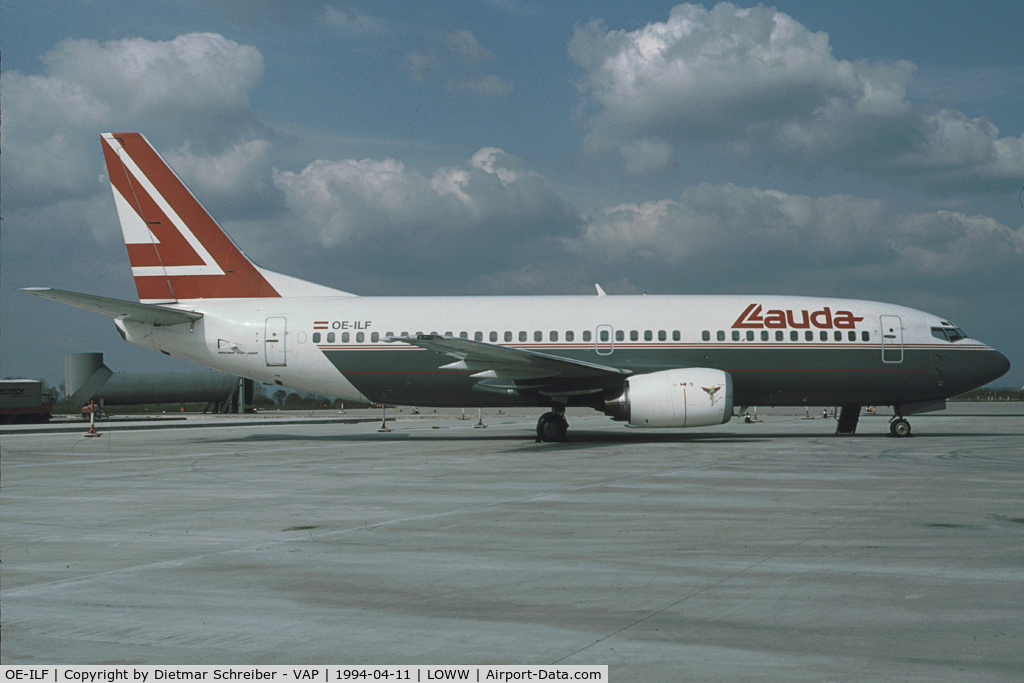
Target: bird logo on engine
(712, 391)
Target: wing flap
(490, 361)
(115, 308)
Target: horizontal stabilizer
(148, 314)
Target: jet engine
(682, 397)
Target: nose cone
(1002, 365)
(991, 366)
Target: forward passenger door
(892, 339)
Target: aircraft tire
(899, 428)
(552, 427)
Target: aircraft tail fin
(177, 250)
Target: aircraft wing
(503, 369)
(115, 308)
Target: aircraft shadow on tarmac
(593, 438)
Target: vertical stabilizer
(177, 250)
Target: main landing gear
(898, 426)
(552, 426)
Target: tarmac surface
(773, 551)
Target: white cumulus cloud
(466, 219)
(197, 84)
(757, 80)
(748, 237)
(236, 181)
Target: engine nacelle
(682, 397)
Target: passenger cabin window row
(346, 337)
(604, 335)
(780, 335)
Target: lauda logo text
(824, 319)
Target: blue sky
(867, 150)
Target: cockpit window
(950, 333)
(955, 334)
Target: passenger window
(764, 335)
(750, 335)
(662, 336)
(808, 336)
(865, 336)
(705, 335)
(330, 337)
(569, 336)
(522, 335)
(634, 335)
(721, 335)
(604, 335)
(586, 335)
(778, 335)
(538, 336)
(345, 337)
(676, 336)
(463, 335)
(852, 336)
(794, 336)
(478, 336)
(360, 337)
(648, 335)
(838, 335)
(824, 335)
(508, 336)
(553, 336)
(316, 337)
(735, 335)
(375, 337)
(620, 335)
(493, 336)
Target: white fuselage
(337, 345)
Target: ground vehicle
(23, 400)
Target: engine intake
(681, 397)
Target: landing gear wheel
(899, 427)
(552, 427)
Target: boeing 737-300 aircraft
(648, 361)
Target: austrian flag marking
(754, 318)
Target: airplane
(648, 361)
